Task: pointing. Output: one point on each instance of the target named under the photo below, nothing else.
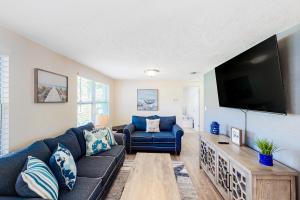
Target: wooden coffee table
(152, 178)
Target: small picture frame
(237, 136)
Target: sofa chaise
(95, 174)
(167, 140)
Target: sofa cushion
(166, 123)
(63, 167)
(37, 180)
(80, 135)
(142, 136)
(163, 137)
(96, 167)
(11, 165)
(69, 140)
(85, 188)
(116, 151)
(140, 122)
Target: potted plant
(267, 149)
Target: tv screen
(253, 80)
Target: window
(92, 100)
(4, 105)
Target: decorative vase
(266, 159)
(215, 128)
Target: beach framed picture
(50, 87)
(147, 100)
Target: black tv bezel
(280, 74)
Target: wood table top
(151, 178)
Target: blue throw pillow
(95, 145)
(63, 166)
(36, 180)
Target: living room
(125, 67)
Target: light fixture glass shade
(102, 120)
(151, 72)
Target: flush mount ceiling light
(151, 72)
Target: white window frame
(4, 105)
(93, 102)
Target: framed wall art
(147, 100)
(50, 87)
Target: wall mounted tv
(253, 79)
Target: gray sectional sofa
(95, 174)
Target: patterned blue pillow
(107, 133)
(37, 180)
(95, 145)
(63, 166)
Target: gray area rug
(185, 185)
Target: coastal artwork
(50, 87)
(147, 99)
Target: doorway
(191, 108)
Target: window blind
(92, 100)
(4, 100)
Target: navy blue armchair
(167, 140)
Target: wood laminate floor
(190, 156)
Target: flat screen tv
(253, 80)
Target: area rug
(185, 185)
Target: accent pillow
(95, 145)
(152, 125)
(63, 167)
(37, 180)
(107, 133)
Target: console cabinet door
(203, 154)
(222, 178)
(211, 163)
(239, 183)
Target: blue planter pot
(266, 159)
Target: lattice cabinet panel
(223, 174)
(239, 184)
(203, 154)
(211, 162)
(237, 174)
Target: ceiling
(123, 38)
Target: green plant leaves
(266, 147)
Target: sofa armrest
(120, 138)
(128, 130)
(177, 130)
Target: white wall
(30, 121)
(170, 98)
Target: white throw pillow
(152, 125)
